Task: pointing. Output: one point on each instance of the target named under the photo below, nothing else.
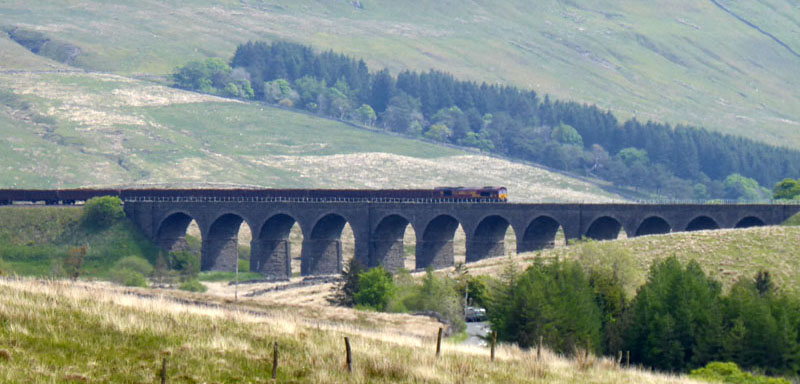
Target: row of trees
(787, 189)
(679, 320)
(675, 161)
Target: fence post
(494, 341)
(539, 348)
(275, 361)
(164, 371)
(619, 359)
(439, 343)
(349, 358)
(627, 359)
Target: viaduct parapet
(379, 228)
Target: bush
(436, 294)
(187, 263)
(192, 285)
(135, 263)
(128, 277)
(101, 212)
(376, 289)
(730, 373)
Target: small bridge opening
(492, 238)
(179, 232)
(604, 228)
(393, 244)
(750, 221)
(437, 248)
(701, 223)
(221, 247)
(653, 225)
(330, 244)
(542, 233)
(274, 248)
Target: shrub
(128, 277)
(436, 294)
(187, 263)
(135, 263)
(730, 373)
(375, 289)
(101, 212)
(192, 285)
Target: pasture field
(731, 70)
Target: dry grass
(57, 331)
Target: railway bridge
(379, 227)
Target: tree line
(676, 161)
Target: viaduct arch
(379, 228)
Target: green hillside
(77, 129)
(682, 62)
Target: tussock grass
(56, 331)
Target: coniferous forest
(657, 158)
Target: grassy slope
(32, 239)
(727, 255)
(73, 333)
(682, 62)
(133, 131)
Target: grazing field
(78, 129)
(74, 332)
(732, 69)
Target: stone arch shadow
(271, 249)
(221, 244)
(604, 228)
(653, 225)
(702, 222)
(749, 222)
(435, 247)
(539, 234)
(488, 238)
(322, 248)
(171, 232)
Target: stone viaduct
(379, 227)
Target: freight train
(72, 196)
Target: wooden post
(494, 341)
(164, 371)
(439, 343)
(539, 348)
(619, 359)
(349, 359)
(275, 361)
(627, 359)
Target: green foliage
(631, 156)
(436, 294)
(438, 132)
(676, 318)
(186, 263)
(102, 212)
(214, 76)
(787, 189)
(135, 263)
(128, 277)
(743, 188)
(762, 327)
(376, 289)
(554, 301)
(192, 285)
(727, 372)
(566, 134)
(366, 115)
